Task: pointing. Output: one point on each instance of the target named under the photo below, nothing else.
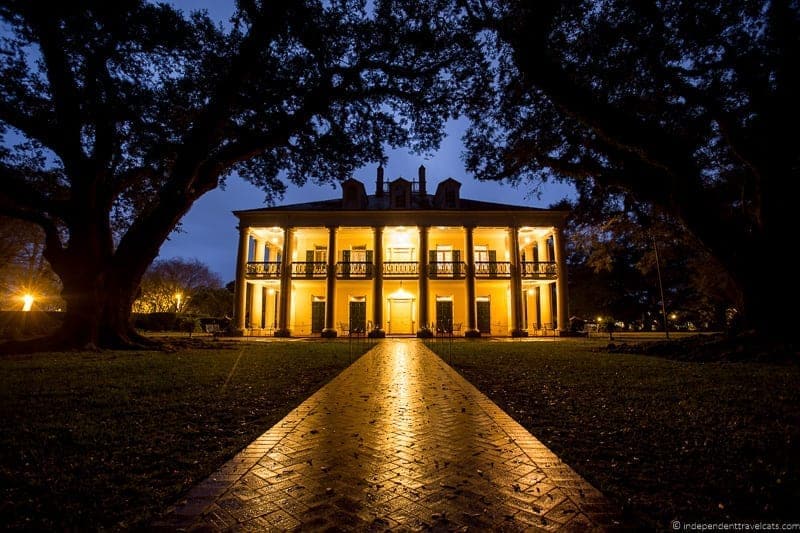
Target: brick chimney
(421, 183)
(379, 182)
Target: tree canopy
(689, 106)
(117, 116)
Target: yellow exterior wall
(393, 288)
(307, 239)
(456, 237)
(456, 289)
(494, 239)
(499, 304)
(401, 236)
(348, 238)
(345, 289)
(300, 304)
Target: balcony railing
(400, 269)
(447, 270)
(354, 270)
(309, 269)
(492, 269)
(539, 270)
(263, 269)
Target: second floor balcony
(447, 270)
(309, 270)
(263, 270)
(354, 270)
(400, 269)
(492, 269)
(539, 270)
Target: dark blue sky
(209, 229)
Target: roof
(380, 203)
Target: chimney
(379, 183)
(422, 185)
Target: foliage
(163, 321)
(612, 267)
(117, 117)
(212, 302)
(667, 440)
(107, 440)
(689, 106)
(172, 284)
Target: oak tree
(689, 106)
(118, 116)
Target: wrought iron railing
(539, 270)
(400, 269)
(263, 269)
(492, 269)
(447, 270)
(309, 269)
(354, 270)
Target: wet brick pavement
(397, 441)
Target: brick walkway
(398, 440)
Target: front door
(401, 320)
(444, 316)
(358, 316)
(484, 318)
(317, 316)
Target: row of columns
(285, 280)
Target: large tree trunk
(98, 290)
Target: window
(450, 198)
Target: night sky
(209, 230)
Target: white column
(562, 295)
(240, 289)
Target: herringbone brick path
(397, 441)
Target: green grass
(666, 440)
(109, 439)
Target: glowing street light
(27, 302)
(178, 298)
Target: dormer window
(447, 194)
(354, 195)
(450, 198)
(400, 194)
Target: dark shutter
(368, 267)
(309, 263)
(345, 263)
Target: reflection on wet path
(398, 439)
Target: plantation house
(400, 261)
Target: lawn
(666, 440)
(109, 439)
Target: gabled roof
(379, 203)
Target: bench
(213, 329)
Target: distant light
(599, 319)
(270, 291)
(673, 316)
(27, 302)
(274, 240)
(527, 240)
(531, 292)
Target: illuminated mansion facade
(399, 262)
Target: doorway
(444, 315)
(358, 315)
(401, 316)
(483, 312)
(317, 315)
